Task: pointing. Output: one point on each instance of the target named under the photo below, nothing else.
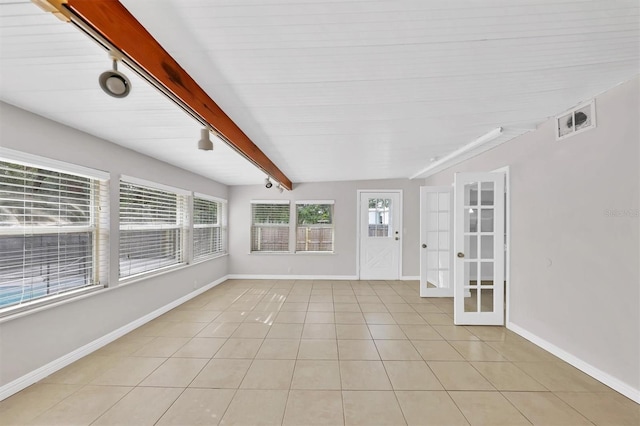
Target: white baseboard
(307, 277)
(46, 370)
(596, 373)
(438, 292)
(291, 277)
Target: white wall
(29, 342)
(575, 281)
(343, 262)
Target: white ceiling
(331, 89)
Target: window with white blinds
(49, 241)
(152, 228)
(208, 228)
(314, 229)
(270, 226)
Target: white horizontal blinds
(270, 226)
(314, 230)
(224, 226)
(101, 213)
(208, 237)
(152, 230)
(47, 232)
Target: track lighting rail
(118, 31)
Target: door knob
(424, 246)
(397, 238)
(460, 254)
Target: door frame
(507, 250)
(359, 193)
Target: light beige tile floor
(280, 352)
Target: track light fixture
(205, 143)
(267, 183)
(114, 83)
(280, 188)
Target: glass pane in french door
(438, 239)
(479, 246)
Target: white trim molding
(209, 197)
(507, 242)
(458, 155)
(153, 185)
(410, 278)
(51, 164)
(292, 277)
(614, 383)
(270, 201)
(309, 277)
(28, 379)
(315, 201)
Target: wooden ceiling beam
(112, 21)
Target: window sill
(267, 253)
(321, 253)
(154, 273)
(206, 259)
(19, 311)
(292, 253)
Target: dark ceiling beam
(112, 21)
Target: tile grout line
(236, 390)
(194, 377)
(366, 289)
(395, 395)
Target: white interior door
(380, 235)
(436, 240)
(479, 247)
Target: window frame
(182, 225)
(221, 225)
(255, 226)
(97, 208)
(297, 225)
(104, 201)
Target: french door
(479, 248)
(436, 240)
(380, 235)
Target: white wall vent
(576, 120)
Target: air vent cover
(576, 120)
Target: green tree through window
(314, 231)
(310, 214)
